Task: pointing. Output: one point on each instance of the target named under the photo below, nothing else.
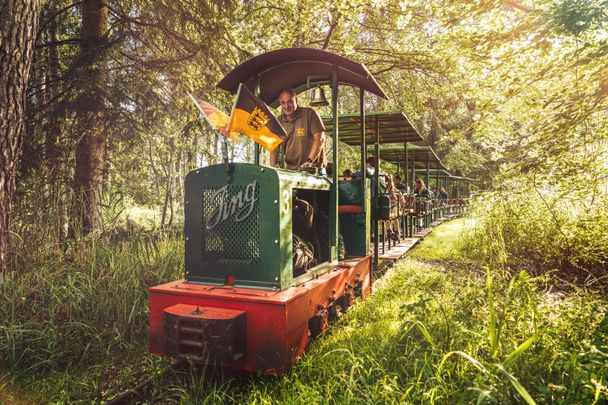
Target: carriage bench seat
(350, 209)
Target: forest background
(513, 94)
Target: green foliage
(496, 87)
(542, 231)
(577, 16)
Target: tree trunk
(53, 132)
(168, 203)
(90, 151)
(54, 154)
(191, 133)
(18, 30)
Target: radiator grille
(232, 241)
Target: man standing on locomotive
(305, 142)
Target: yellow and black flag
(252, 117)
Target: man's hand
(308, 163)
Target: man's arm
(318, 139)
(318, 135)
(274, 156)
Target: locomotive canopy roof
(393, 127)
(299, 69)
(420, 154)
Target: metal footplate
(204, 334)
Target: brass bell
(318, 97)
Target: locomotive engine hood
(238, 224)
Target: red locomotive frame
(278, 323)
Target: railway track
(141, 391)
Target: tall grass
(543, 233)
(74, 309)
(439, 328)
(455, 322)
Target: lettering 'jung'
(237, 207)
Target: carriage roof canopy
(462, 178)
(297, 68)
(422, 155)
(393, 127)
(433, 172)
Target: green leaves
(574, 17)
(515, 354)
(522, 391)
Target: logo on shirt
(257, 119)
(300, 131)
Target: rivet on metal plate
(276, 241)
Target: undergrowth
(454, 322)
(67, 313)
(543, 233)
(442, 328)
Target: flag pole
(256, 146)
(225, 151)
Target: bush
(542, 232)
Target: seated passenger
(394, 228)
(443, 195)
(400, 186)
(347, 174)
(391, 187)
(420, 190)
(370, 165)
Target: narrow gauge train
(244, 303)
